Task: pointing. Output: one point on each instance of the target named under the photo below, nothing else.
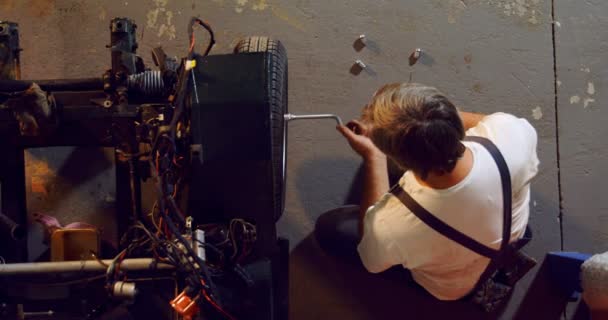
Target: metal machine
(209, 132)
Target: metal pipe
(34, 268)
(289, 117)
(86, 84)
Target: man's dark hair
(417, 126)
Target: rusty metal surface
(72, 184)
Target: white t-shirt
(394, 235)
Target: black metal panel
(231, 123)
(232, 118)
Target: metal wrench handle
(289, 117)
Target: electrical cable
(214, 248)
(207, 27)
(232, 234)
(217, 307)
(162, 148)
(112, 267)
(180, 238)
(98, 260)
(183, 79)
(152, 216)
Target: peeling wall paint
(590, 88)
(240, 5)
(587, 97)
(524, 10)
(537, 113)
(160, 19)
(587, 101)
(260, 5)
(257, 5)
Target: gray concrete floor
(487, 55)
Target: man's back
(473, 206)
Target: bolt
(360, 64)
(415, 56)
(107, 104)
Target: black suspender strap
(455, 235)
(440, 226)
(507, 193)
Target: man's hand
(375, 172)
(357, 135)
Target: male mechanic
(457, 181)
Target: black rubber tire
(278, 98)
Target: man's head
(416, 126)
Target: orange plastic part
(74, 244)
(185, 306)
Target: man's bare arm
(375, 184)
(375, 171)
(470, 120)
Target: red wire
(122, 256)
(157, 165)
(160, 226)
(215, 305)
(192, 41)
(167, 233)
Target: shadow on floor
(322, 287)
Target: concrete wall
(582, 91)
(487, 55)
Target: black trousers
(337, 232)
